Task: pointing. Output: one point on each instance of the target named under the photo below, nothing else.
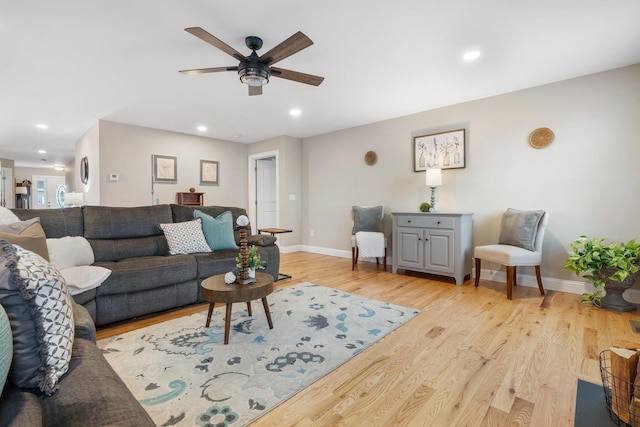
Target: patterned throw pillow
(6, 347)
(50, 305)
(185, 237)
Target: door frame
(253, 158)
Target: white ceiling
(69, 63)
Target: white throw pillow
(84, 277)
(185, 237)
(7, 217)
(69, 251)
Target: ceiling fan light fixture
(254, 76)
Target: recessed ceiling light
(202, 128)
(42, 151)
(295, 112)
(42, 126)
(58, 168)
(237, 136)
(471, 55)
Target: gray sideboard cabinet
(436, 243)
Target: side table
(215, 289)
(273, 232)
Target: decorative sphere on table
(192, 190)
(242, 221)
(229, 278)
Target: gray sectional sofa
(144, 278)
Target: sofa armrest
(261, 240)
(83, 323)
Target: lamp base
(433, 200)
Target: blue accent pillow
(218, 231)
(6, 347)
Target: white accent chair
(520, 245)
(367, 219)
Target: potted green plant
(612, 268)
(254, 262)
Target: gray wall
(126, 150)
(587, 179)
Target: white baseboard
(569, 286)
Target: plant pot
(613, 299)
(252, 273)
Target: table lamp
(433, 179)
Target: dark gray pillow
(367, 219)
(519, 228)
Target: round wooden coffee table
(214, 289)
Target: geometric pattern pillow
(44, 289)
(6, 347)
(185, 237)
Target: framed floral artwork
(444, 150)
(209, 172)
(165, 169)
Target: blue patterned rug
(183, 374)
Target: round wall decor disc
(370, 158)
(541, 137)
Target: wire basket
(618, 393)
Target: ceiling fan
(256, 70)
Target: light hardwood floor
(470, 358)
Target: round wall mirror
(84, 170)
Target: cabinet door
(410, 250)
(439, 251)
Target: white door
(43, 191)
(266, 206)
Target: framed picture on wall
(209, 172)
(165, 169)
(444, 150)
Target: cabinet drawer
(425, 221)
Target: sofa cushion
(69, 251)
(519, 228)
(42, 325)
(104, 222)
(120, 249)
(218, 231)
(6, 347)
(146, 273)
(27, 234)
(56, 222)
(92, 393)
(20, 407)
(185, 237)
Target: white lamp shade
(73, 199)
(434, 177)
(21, 190)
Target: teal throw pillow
(6, 347)
(218, 231)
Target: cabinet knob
(438, 222)
(408, 220)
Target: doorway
(263, 190)
(43, 191)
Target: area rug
(183, 374)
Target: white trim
(251, 210)
(569, 286)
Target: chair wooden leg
(510, 273)
(353, 258)
(515, 275)
(477, 272)
(385, 259)
(539, 280)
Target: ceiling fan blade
(296, 76)
(208, 70)
(255, 90)
(293, 44)
(214, 41)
